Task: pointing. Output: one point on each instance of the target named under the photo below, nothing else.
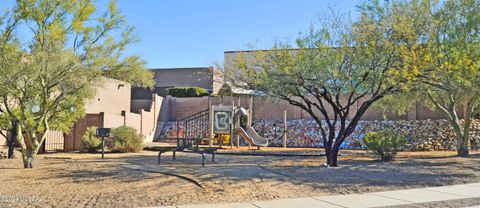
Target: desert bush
(124, 139)
(90, 141)
(187, 92)
(384, 144)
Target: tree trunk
(28, 159)
(10, 149)
(28, 153)
(462, 136)
(332, 156)
(463, 144)
(11, 141)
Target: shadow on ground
(137, 179)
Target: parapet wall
(271, 108)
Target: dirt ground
(136, 180)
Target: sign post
(103, 147)
(285, 129)
(103, 132)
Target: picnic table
(199, 150)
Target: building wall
(73, 140)
(133, 120)
(137, 105)
(111, 108)
(152, 119)
(112, 97)
(218, 80)
(145, 122)
(269, 108)
(3, 140)
(184, 77)
(113, 121)
(184, 107)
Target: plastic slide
(251, 136)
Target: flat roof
(248, 51)
(182, 68)
(278, 49)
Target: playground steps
(158, 131)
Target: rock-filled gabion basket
(422, 135)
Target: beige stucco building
(209, 78)
(112, 97)
(113, 107)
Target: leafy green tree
(446, 65)
(47, 77)
(337, 71)
(450, 66)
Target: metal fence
(54, 142)
(194, 126)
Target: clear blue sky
(188, 33)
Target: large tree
(49, 72)
(338, 70)
(449, 65)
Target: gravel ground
(133, 180)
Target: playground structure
(217, 123)
(214, 124)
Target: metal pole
(210, 126)
(203, 158)
(250, 111)
(232, 124)
(159, 158)
(178, 141)
(103, 147)
(238, 141)
(275, 130)
(285, 129)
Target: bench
(202, 151)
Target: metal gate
(54, 142)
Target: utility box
(103, 132)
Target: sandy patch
(132, 180)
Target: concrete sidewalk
(374, 199)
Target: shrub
(124, 139)
(90, 141)
(384, 144)
(187, 92)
